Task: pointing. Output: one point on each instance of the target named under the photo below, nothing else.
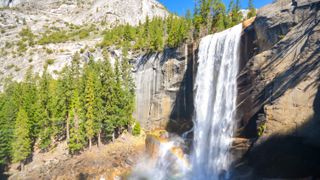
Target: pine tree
(21, 145)
(108, 95)
(205, 10)
(98, 108)
(64, 92)
(8, 111)
(43, 114)
(98, 111)
(156, 34)
(128, 90)
(29, 98)
(70, 80)
(77, 139)
(56, 117)
(147, 32)
(219, 16)
(89, 106)
(252, 10)
(120, 120)
(197, 20)
(236, 15)
(75, 114)
(140, 38)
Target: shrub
(261, 129)
(8, 67)
(50, 61)
(136, 129)
(26, 32)
(22, 47)
(17, 68)
(8, 44)
(49, 51)
(55, 37)
(92, 50)
(83, 33)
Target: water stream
(215, 103)
(214, 116)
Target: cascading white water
(214, 119)
(215, 103)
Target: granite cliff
(279, 91)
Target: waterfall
(214, 118)
(215, 104)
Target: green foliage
(89, 105)
(50, 61)
(252, 10)
(49, 51)
(153, 35)
(21, 145)
(22, 47)
(219, 19)
(77, 138)
(27, 39)
(236, 15)
(8, 110)
(43, 111)
(54, 37)
(60, 36)
(177, 31)
(261, 129)
(85, 102)
(136, 129)
(27, 33)
(211, 16)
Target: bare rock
(280, 80)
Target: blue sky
(181, 6)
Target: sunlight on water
(214, 118)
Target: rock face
(47, 16)
(279, 90)
(164, 89)
(80, 11)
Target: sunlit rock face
(281, 79)
(111, 11)
(10, 3)
(43, 15)
(279, 90)
(164, 89)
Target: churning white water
(214, 118)
(215, 104)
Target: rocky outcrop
(279, 90)
(79, 12)
(164, 89)
(43, 17)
